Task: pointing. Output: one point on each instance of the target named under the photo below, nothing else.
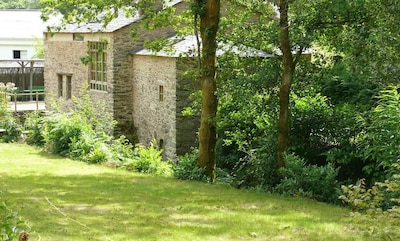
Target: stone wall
(186, 126)
(63, 60)
(123, 48)
(121, 85)
(154, 98)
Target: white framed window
(98, 66)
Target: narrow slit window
(161, 93)
(60, 85)
(69, 87)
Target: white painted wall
(18, 30)
(25, 46)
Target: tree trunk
(209, 23)
(287, 77)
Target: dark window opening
(161, 93)
(60, 85)
(69, 87)
(17, 54)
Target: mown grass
(61, 199)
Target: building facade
(140, 90)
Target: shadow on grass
(125, 206)
(62, 199)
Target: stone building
(145, 92)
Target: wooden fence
(24, 101)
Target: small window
(69, 87)
(60, 85)
(77, 37)
(161, 93)
(17, 54)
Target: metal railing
(12, 98)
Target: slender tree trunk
(287, 77)
(209, 23)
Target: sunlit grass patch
(61, 199)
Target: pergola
(24, 64)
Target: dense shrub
(311, 181)
(258, 169)
(377, 209)
(186, 167)
(148, 160)
(311, 127)
(122, 151)
(10, 223)
(11, 126)
(62, 130)
(381, 140)
(33, 125)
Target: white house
(18, 31)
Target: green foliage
(148, 160)
(381, 139)
(361, 198)
(84, 134)
(311, 126)
(186, 167)
(121, 151)
(12, 128)
(39, 49)
(34, 124)
(94, 113)
(311, 181)
(381, 196)
(7, 121)
(61, 130)
(10, 223)
(89, 148)
(377, 208)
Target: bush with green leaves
(311, 126)
(148, 160)
(257, 170)
(187, 168)
(62, 130)
(10, 223)
(311, 181)
(381, 139)
(376, 209)
(33, 125)
(13, 129)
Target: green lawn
(62, 199)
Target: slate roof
(186, 46)
(117, 23)
(21, 24)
